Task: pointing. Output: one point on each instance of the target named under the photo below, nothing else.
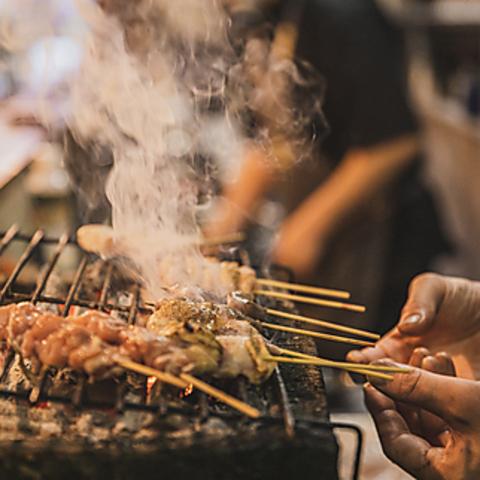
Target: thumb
(450, 398)
(425, 296)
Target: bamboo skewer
(326, 292)
(152, 372)
(310, 333)
(185, 380)
(222, 396)
(312, 301)
(323, 323)
(223, 240)
(328, 363)
(374, 368)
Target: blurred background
(391, 191)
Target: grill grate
(276, 404)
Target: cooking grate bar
(79, 392)
(39, 391)
(133, 310)
(46, 240)
(107, 282)
(75, 285)
(15, 297)
(287, 413)
(120, 395)
(7, 364)
(51, 265)
(23, 260)
(8, 236)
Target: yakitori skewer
(297, 287)
(151, 372)
(375, 368)
(379, 371)
(222, 396)
(330, 364)
(237, 237)
(323, 324)
(310, 300)
(100, 239)
(8, 237)
(185, 380)
(310, 333)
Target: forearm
(361, 175)
(242, 198)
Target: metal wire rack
(198, 405)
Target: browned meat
(104, 326)
(242, 347)
(92, 341)
(4, 320)
(181, 336)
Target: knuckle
(409, 383)
(423, 278)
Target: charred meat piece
(176, 340)
(240, 346)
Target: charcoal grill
(59, 425)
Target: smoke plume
(153, 74)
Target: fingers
(435, 429)
(418, 355)
(393, 345)
(410, 413)
(445, 364)
(412, 453)
(426, 294)
(448, 397)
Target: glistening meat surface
(181, 336)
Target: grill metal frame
(39, 393)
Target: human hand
(429, 423)
(441, 313)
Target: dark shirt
(361, 57)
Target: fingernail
(412, 320)
(354, 355)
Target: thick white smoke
(153, 73)
(133, 95)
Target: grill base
(61, 441)
(262, 453)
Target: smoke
(153, 75)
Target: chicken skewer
(182, 337)
(92, 341)
(251, 309)
(96, 343)
(186, 380)
(100, 239)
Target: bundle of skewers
(183, 338)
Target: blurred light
(50, 62)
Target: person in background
(428, 419)
(369, 224)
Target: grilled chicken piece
(238, 277)
(92, 342)
(199, 337)
(242, 349)
(244, 355)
